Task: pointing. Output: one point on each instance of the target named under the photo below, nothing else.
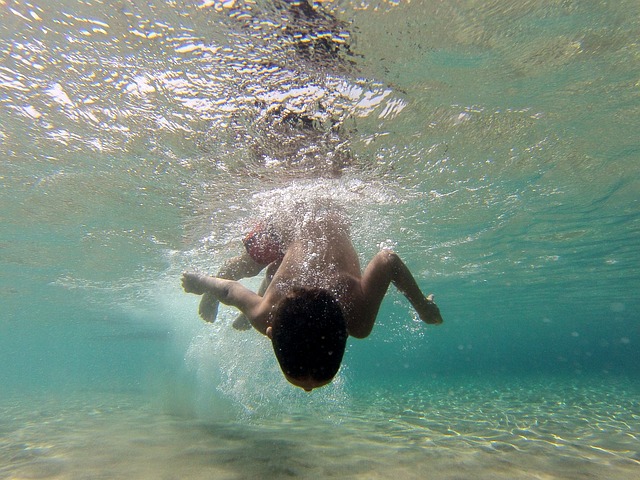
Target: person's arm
(239, 267)
(385, 268)
(228, 292)
(242, 322)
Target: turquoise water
(493, 145)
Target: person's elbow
(389, 259)
(360, 330)
(359, 333)
(224, 293)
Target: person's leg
(242, 266)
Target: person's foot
(208, 309)
(241, 323)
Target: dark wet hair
(309, 334)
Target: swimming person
(314, 295)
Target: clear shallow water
(493, 144)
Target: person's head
(309, 334)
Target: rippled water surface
(494, 145)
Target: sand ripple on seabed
(494, 432)
(561, 428)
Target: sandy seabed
(522, 430)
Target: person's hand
(430, 313)
(196, 284)
(193, 283)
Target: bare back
(318, 254)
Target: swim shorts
(263, 244)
